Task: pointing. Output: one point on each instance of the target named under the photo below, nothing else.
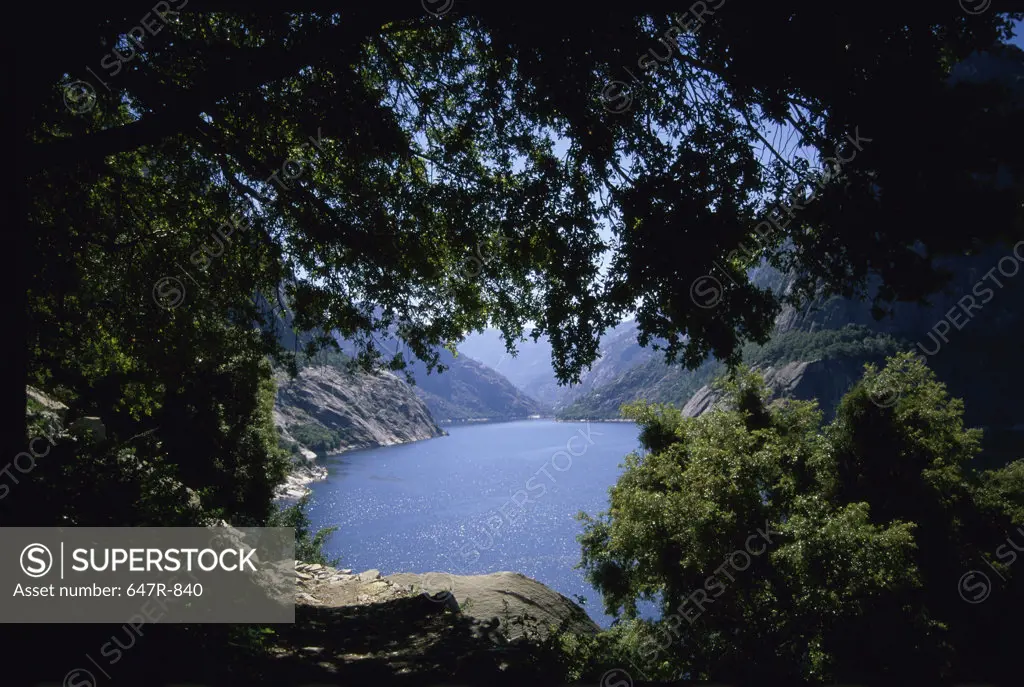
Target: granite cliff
(826, 381)
(327, 409)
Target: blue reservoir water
(489, 497)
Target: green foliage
(659, 424)
(141, 491)
(856, 535)
(436, 201)
(1004, 490)
(425, 105)
(309, 546)
(253, 641)
(170, 186)
(291, 448)
(193, 394)
(851, 341)
(316, 437)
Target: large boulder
(503, 595)
(510, 599)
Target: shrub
(309, 546)
(316, 437)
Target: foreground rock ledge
(504, 596)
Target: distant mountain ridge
(816, 352)
(531, 368)
(970, 333)
(470, 390)
(466, 390)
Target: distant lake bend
(485, 498)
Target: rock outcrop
(702, 401)
(466, 390)
(502, 595)
(304, 471)
(823, 380)
(44, 411)
(508, 601)
(365, 410)
(364, 629)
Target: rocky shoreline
(349, 410)
(305, 470)
(296, 484)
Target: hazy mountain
(466, 390)
(531, 369)
(470, 390)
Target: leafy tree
(455, 171)
(851, 341)
(309, 545)
(431, 144)
(849, 541)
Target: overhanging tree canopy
(498, 138)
